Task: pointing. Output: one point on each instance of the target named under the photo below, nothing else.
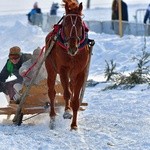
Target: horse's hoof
(74, 128)
(67, 114)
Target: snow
(113, 119)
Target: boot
(3, 88)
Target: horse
(69, 58)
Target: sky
(113, 120)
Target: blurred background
(97, 13)
(22, 6)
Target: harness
(61, 39)
(57, 29)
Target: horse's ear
(80, 7)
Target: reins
(32, 66)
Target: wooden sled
(37, 97)
(36, 102)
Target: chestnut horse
(69, 60)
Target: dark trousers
(8, 88)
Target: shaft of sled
(86, 75)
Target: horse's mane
(72, 4)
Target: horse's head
(72, 27)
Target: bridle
(73, 28)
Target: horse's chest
(72, 63)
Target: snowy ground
(113, 120)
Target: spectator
(115, 10)
(147, 14)
(14, 62)
(147, 18)
(115, 14)
(33, 12)
(54, 8)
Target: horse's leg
(75, 101)
(51, 94)
(51, 87)
(65, 84)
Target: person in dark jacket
(115, 15)
(54, 8)
(147, 15)
(147, 18)
(14, 62)
(35, 10)
(115, 10)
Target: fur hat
(35, 5)
(37, 51)
(36, 54)
(14, 52)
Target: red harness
(57, 29)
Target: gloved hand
(23, 73)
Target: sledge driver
(13, 63)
